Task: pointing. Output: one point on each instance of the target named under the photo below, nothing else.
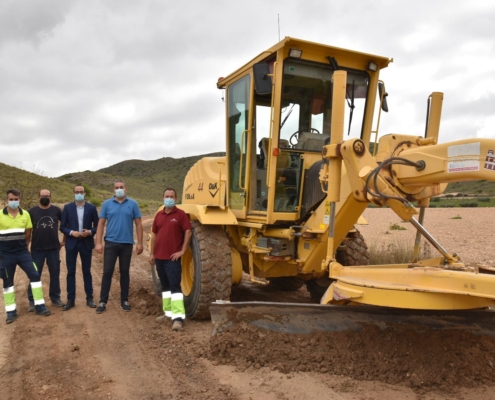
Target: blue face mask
(169, 203)
(79, 197)
(119, 193)
(14, 204)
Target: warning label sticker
(490, 160)
(463, 166)
(464, 157)
(326, 217)
(462, 150)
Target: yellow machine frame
(351, 177)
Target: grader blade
(307, 318)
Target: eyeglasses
(79, 192)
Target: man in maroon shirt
(170, 236)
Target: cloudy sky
(85, 84)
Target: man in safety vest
(15, 233)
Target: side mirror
(262, 82)
(383, 96)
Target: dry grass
(397, 252)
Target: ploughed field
(117, 355)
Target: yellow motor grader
(303, 161)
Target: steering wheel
(312, 130)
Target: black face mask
(44, 201)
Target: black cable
(375, 173)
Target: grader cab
(303, 161)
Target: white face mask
(168, 202)
(13, 204)
(79, 197)
(119, 193)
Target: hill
(30, 184)
(479, 188)
(144, 180)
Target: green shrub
(459, 195)
(96, 202)
(396, 227)
(87, 189)
(433, 205)
(449, 195)
(457, 217)
(484, 199)
(472, 204)
(435, 199)
(446, 205)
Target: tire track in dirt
(78, 354)
(117, 355)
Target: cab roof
(314, 52)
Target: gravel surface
(471, 236)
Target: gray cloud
(88, 84)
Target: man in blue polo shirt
(15, 233)
(119, 213)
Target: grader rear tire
(206, 270)
(353, 251)
(157, 285)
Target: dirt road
(117, 355)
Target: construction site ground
(128, 355)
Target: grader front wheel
(353, 251)
(206, 270)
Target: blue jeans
(9, 261)
(170, 274)
(52, 258)
(71, 261)
(114, 251)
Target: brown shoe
(58, 303)
(177, 325)
(162, 318)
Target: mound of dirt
(146, 302)
(429, 360)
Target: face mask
(169, 203)
(119, 193)
(44, 201)
(14, 204)
(79, 197)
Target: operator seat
(283, 158)
(311, 141)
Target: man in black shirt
(45, 244)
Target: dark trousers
(52, 258)
(71, 260)
(122, 251)
(9, 261)
(170, 274)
